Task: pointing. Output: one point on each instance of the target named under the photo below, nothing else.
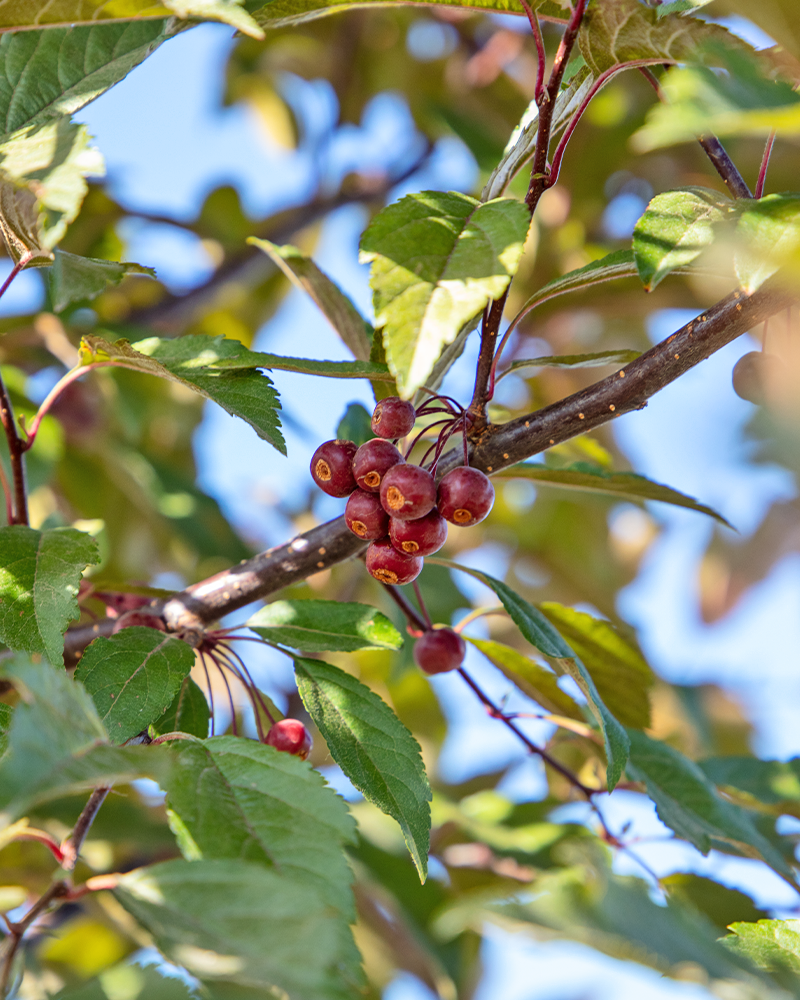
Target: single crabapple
(408, 492)
(421, 537)
(752, 375)
(290, 736)
(439, 651)
(393, 418)
(465, 496)
(388, 565)
(332, 468)
(372, 461)
(365, 516)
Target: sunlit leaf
(373, 748)
(40, 572)
(315, 626)
(770, 944)
(73, 278)
(65, 13)
(437, 259)
(598, 359)
(768, 238)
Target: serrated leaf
(282, 13)
(43, 170)
(536, 681)
(768, 238)
(239, 799)
(188, 713)
(675, 229)
(373, 748)
(437, 259)
(622, 675)
(535, 627)
(40, 572)
(193, 361)
(680, 6)
(773, 945)
(234, 921)
(595, 360)
(591, 479)
(318, 626)
(620, 31)
(688, 803)
(331, 300)
(133, 677)
(74, 278)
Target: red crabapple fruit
(393, 418)
(372, 461)
(752, 375)
(408, 492)
(365, 516)
(439, 651)
(421, 537)
(465, 496)
(388, 565)
(290, 736)
(332, 468)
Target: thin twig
(56, 890)
(536, 29)
(762, 173)
(71, 847)
(16, 449)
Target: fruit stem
(421, 603)
(762, 173)
(402, 602)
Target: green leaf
(769, 781)
(331, 300)
(236, 798)
(623, 485)
(688, 803)
(773, 945)
(133, 677)
(535, 627)
(595, 360)
(719, 903)
(315, 626)
(232, 921)
(188, 713)
(193, 362)
(373, 748)
(51, 73)
(6, 714)
(675, 229)
(622, 675)
(40, 573)
(74, 278)
(281, 13)
(43, 170)
(355, 425)
(768, 238)
(437, 259)
(680, 6)
(536, 681)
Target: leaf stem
(55, 392)
(71, 847)
(18, 508)
(762, 173)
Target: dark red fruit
(393, 418)
(388, 565)
(439, 651)
(752, 375)
(372, 461)
(422, 537)
(290, 736)
(365, 516)
(465, 496)
(332, 468)
(408, 492)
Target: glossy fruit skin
(421, 537)
(752, 374)
(465, 496)
(393, 418)
(365, 516)
(290, 736)
(408, 492)
(388, 565)
(372, 461)
(332, 468)
(439, 651)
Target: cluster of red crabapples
(397, 506)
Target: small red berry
(439, 651)
(290, 736)
(422, 537)
(372, 461)
(393, 418)
(465, 496)
(408, 492)
(331, 468)
(388, 565)
(365, 516)
(752, 375)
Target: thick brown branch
(500, 447)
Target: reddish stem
(762, 173)
(536, 28)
